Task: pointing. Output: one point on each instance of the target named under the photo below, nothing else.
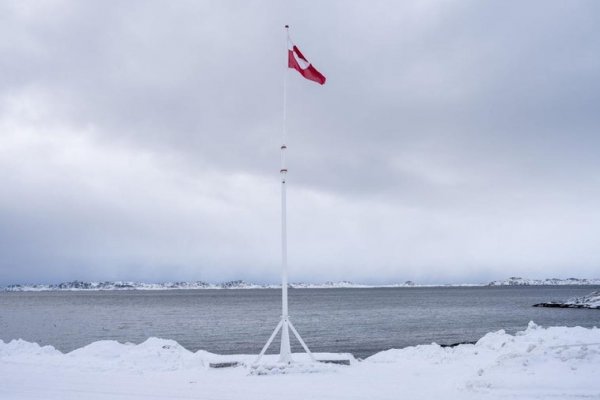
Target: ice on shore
(557, 362)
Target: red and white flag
(297, 61)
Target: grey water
(357, 321)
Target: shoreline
(169, 286)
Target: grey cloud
(453, 140)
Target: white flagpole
(285, 352)
(285, 325)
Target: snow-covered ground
(239, 284)
(518, 281)
(591, 300)
(538, 363)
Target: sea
(357, 321)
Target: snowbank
(557, 362)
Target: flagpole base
(285, 351)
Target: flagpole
(285, 325)
(285, 352)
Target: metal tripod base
(285, 352)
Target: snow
(518, 281)
(120, 285)
(239, 284)
(591, 300)
(537, 363)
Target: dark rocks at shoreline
(563, 305)
(590, 301)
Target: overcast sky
(454, 141)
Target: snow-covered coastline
(518, 281)
(591, 301)
(240, 284)
(237, 284)
(553, 362)
(128, 285)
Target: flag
(297, 61)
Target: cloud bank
(453, 141)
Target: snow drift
(558, 362)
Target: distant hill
(240, 284)
(517, 281)
(236, 284)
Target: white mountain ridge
(240, 284)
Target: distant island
(236, 284)
(517, 281)
(240, 284)
(591, 301)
